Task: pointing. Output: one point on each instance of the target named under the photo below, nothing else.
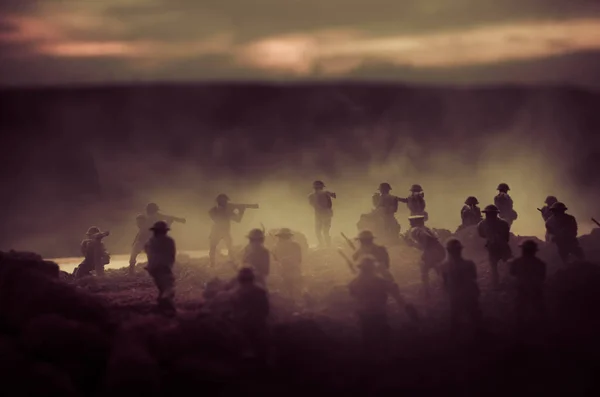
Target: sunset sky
(431, 41)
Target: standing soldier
(504, 204)
(562, 230)
(161, 252)
(386, 205)
(496, 232)
(470, 213)
(371, 293)
(94, 253)
(289, 255)
(222, 215)
(378, 252)
(416, 201)
(460, 283)
(546, 213)
(428, 242)
(321, 201)
(251, 310)
(257, 257)
(530, 273)
(152, 216)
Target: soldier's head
(529, 247)
(285, 234)
(365, 237)
(256, 236)
(454, 247)
(417, 190)
(385, 188)
(318, 185)
(503, 188)
(471, 200)
(558, 208)
(416, 220)
(491, 211)
(140, 221)
(92, 231)
(222, 200)
(367, 264)
(550, 200)
(160, 228)
(152, 208)
(246, 276)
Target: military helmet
(416, 188)
(256, 234)
(365, 235)
(285, 232)
(491, 208)
(246, 274)
(384, 187)
(503, 187)
(92, 231)
(558, 206)
(529, 245)
(318, 184)
(160, 226)
(222, 198)
(367, 262)
(550, 200)
(152, 208)
(471, 200)
(453, 244)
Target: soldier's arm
(172, 251)
(402, 200)
(574, 227)
(312, 199)
(332, 195)
(481, 229)
(213, 214)
(298, 253)
(170, 219)
(237, 217)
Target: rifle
(350, 243)
(539, 209)
(348, 261)
(244, 206)
(596, 222)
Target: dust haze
(273, 162)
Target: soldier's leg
(493, 259)
(318, 229)
(212, 250)
(229, 245)
(326, 229)
(165, 282)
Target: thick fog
(98, 156)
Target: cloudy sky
(432, 41)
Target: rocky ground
(103, 337)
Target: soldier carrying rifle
(144, 222)
(94, 252)
(222, 215)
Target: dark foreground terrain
(99, 337)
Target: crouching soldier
(94, 253)
(460, 283)
(562, 230)
(289, 255)
(257, 257)
(371, 293)
(530, 272)
(161, 252)
(379, 252)
(251, 310)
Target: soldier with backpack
(504, 203)
(321, 201)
